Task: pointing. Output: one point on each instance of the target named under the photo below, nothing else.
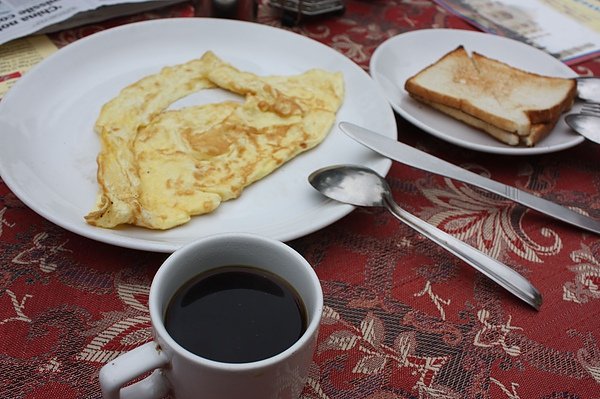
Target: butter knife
(421, 160)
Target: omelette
(158, 167)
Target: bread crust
(538, 131)
(492, 92)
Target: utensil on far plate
(590, 108)
(586, 124)
(361, 186)
(588, 88)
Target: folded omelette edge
(157, 168)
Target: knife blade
(415, 158)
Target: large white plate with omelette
(48, 147)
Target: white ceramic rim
(156, 307)
(48, 147)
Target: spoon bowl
(347, 183)
(585, 124)
(588, 88)
(359, 186)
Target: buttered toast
(514, 106)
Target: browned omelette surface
(157, 168)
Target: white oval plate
(402, 56)
(48, 148)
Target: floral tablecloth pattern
(402, 318)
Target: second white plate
(402, 56)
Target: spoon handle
(498, 272)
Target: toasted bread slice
(501, 99)
(537, 132)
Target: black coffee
(236, 314)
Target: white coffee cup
(185, 375)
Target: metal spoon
(588, 88)
(361, 186)
(585, 124)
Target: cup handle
(131, 365)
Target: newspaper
(567, 29)
(19, 56)
(20, 18)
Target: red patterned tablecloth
(403, 319)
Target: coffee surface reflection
(236, 314)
